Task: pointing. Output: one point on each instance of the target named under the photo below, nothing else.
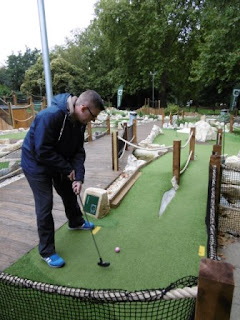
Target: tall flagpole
(45, 51)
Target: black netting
(211, 215)
(25, 299)
(229, 209)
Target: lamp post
(153, 75)
(45, 51)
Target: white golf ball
(117, 249)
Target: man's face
(86, 113)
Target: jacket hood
(60, 101)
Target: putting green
(154, 251)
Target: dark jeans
(42, 188)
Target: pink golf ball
(117, 249)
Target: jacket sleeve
(79, 159)
(46, 134)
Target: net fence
(211, 215)
(223, 206)
(25, 299)
(229, 208)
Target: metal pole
(45, 51)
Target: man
(53, 155)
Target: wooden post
(231, 123)
(163, 115)
(134, 131)
(30, 99)
(14, 98)
(219, 136)
(192, 142)
(176, 159)
(32, 110)
(215, 290)
(11, 114)
(125, 134)
(217, 149)
(44, 103)
(108, 125)
(89, 129)
(115, 151)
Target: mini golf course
(154, 252)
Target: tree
(18, 64)
(217, 67)
(151, 36)
(92, 52)
(65, 77)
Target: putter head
(103, 264)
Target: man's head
(87, 107)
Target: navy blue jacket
(54, 142)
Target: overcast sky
(20, 23)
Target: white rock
(204, 131)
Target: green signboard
(235, 97)
(91, 204)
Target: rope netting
(25, 299)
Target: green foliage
(218, 63)
(65, 77)
(140, 114)
(18, 64)
(172, 108)
(153, 116)
(4, 90)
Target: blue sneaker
(85, 226)
(54, 261)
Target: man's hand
(71, 176)
(77, 186)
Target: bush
(172, 108)
(4, 90)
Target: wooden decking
(18, 231)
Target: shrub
(172, 108)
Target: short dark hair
(91, 97)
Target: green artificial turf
(155, 251)
(17, 136)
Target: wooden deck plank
(18, 230)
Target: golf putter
(101, 263)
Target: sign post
(119, 96)
(235, 97)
